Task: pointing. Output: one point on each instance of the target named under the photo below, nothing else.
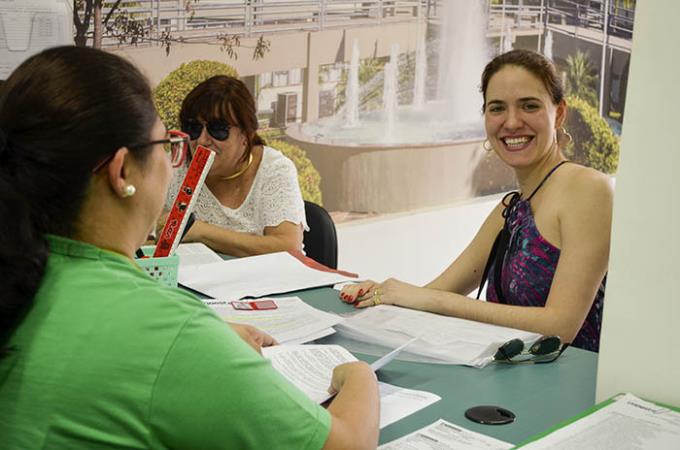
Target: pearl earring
(129, 191)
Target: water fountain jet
(407, 156)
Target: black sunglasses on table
(216, 128)
(545, 350)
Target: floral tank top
(528, 270)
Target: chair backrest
(321, 241)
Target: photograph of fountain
(377, 102)
(415, 155)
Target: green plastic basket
(161, 269)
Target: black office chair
(321, 241)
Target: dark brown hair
(224, 98)
(535, 63)
(58, 119)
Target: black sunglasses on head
(216, 128)
(544, 350)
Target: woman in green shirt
(95, 354)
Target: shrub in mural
(308, 176)
(171, 91)
(595, 144)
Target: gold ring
(376, 300)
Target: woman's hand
(355, 411)
(351, 292)
(344, 371)
(254, 337)
(390, 292)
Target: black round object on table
(490, 415)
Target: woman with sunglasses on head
(545, 272)
(93, 352)
(251, 202)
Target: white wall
(639, 351)
(414, 247)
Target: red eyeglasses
(175, 145)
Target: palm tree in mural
(581, 78)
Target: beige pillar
(310, 90)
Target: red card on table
(255, 305)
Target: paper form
(311, 337)
(293, 321)
(628, 423)
(255, 276)
(384, 360)
(196, 254)
(443, 435)
(448, 339)
(397, 402)
(310, 368)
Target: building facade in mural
(382, 95)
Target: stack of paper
(445, 435)
(255, 276)
(625, 423)
(195, 254)
(447, 339)
(310, 368)
(292, 322)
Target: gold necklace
(240, 172)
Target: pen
(190, 222)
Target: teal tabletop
(540, 395)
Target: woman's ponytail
(23, 252)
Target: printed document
(628, 423)
(398, 402)
(292, 322)
(310, 368)
(196, 254)
(443, 435)
(260, 275)
(447, 339)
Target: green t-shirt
(107, 357)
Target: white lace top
(274, 197)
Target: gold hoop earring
(489, 148)
(566, 133)
(129, 191)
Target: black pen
(190, 221)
